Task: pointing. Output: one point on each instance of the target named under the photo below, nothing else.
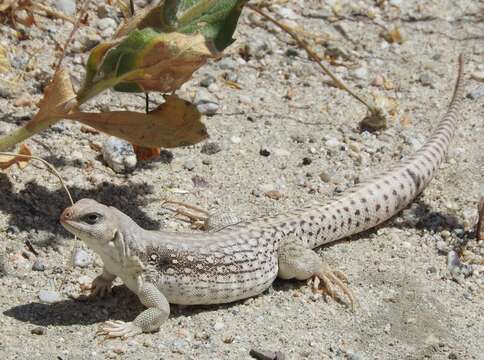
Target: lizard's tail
(375, 201)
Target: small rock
(235, 139)
(199, 181)
(333, 143)
(68, 7)
(478, 75)
(218, 326)
(360, 73)
(166, 156)
(442, 246)
(286, 13)
(207, 81)
(38, 265)
(264, 152)
(49, 297)
(5, 92)
(38, 330)
(119, 155)
(426, 80)
(227, 64)
(206, 103)
(106, 23)
(228, 339)
(432, 270)
(210, 148)
(207, 162)
(208, 108)
(476, 93)
(189, 164)
(82, 258)
(306, 161)
(274, 194)
(351, 355)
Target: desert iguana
(243, 260)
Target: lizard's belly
(216, 290)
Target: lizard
(243, 260)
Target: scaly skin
(243, 260)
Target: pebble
(257, 48)
(207, 81)
(210, 148)
(5, 92)
(189, 164)
(426, 80)
(206, 103)
(235, 139)
(478, 75)
(218, 326)
(106, 23)
(361, 73)
(351, 355)
(442, 246)
(82, 258)
(306, 161)
(477, 93)
(285, 12)
(333, 143)
(49, 296)
(264, 152)
(166, 156)
(227, 63)
(119, 155)
(39, 330)
(38, 265)
(68, 7)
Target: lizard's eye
(91, 218)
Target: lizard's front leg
(101, 285)
(150, 320)
(297, 261)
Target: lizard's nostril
(66, 214)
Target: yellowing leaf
(58, 101)
(143, 61)
(174, 123)
(8, 160)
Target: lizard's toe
(118, 328)
(330, 280)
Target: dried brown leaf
(174, 123)
(8, 160)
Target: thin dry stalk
(313, 56)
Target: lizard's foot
(331, 279)
(101, 287)
(118, 328)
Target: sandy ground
(409, 305)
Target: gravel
(283, 104)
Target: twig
(480, 220)
(82, 11)
(52, 12)
(31, 248)
(315, 57)
(52, 169)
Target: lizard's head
(91, 221)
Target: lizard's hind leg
(299, 262)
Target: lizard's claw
(330, 279)
(100, 287)
(118, 328)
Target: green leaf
(161, 46)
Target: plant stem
(18, 135)
(315, 57)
